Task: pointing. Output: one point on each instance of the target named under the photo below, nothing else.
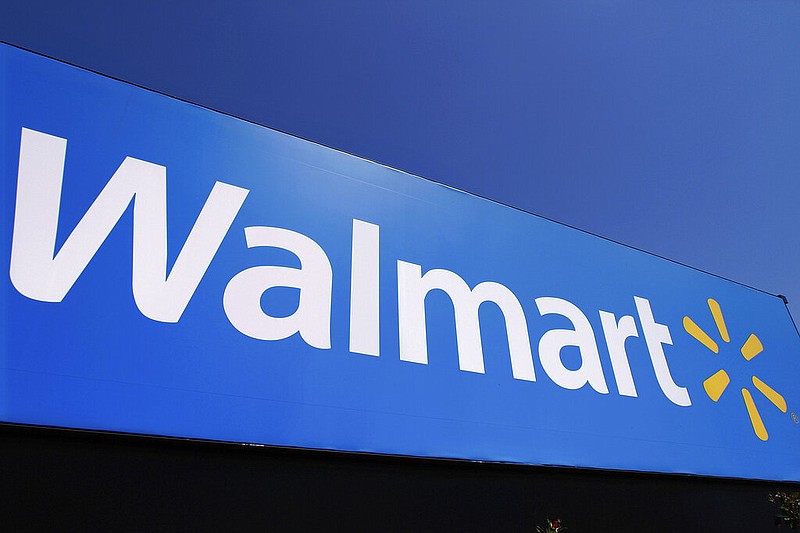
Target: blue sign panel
(175, 271)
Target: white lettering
(314, 278)
(38, 273)
(365, 289)
(412, 289)
(582, 336)
(656, 335)
(616, 333)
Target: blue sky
(669, 126)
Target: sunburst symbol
(716, 384)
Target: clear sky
(671, 126)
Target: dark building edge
(60, 480)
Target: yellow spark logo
(719, 381)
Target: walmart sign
(174, 271)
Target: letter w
(38, 273)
